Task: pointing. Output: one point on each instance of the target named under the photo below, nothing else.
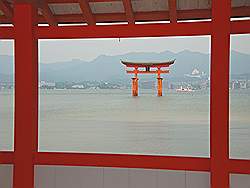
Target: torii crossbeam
(147, 68)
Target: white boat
(182, 89)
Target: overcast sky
(88, 49)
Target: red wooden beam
(6, 32)
(147, 72)
(237, 27)
(139, 16)
(124, 31)
(241, 11)
(6, 157)
(48, 15)
(238, 166)
(96, 1)
(194, 14)
(70, 18)
(26, 95)
(73, 1)
(129, 11)
(120, 17)
(162, 65)
(145, 16)
(219, 105)
(60, 1)
(240, 27)
(6, 9)
(123, 161)
(153, 15)
(109, 17)
(5, 20)
(172, 11)
(87, 13)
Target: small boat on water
(182, 89)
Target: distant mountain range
(109, 67)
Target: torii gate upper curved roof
(148, 64)
(131, 11)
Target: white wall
(6, 176)
(92, 177)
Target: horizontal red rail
(6, 157)
(147, 72)
(239, 166)
(123, 161)
(6, 32)
(240, 27)
(236, 166)
(119, 31)
(124, 31)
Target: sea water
(111, 121)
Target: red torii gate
(26, 32)
(147, 66)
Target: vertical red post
(159, 85)
(135, 86)
(26, 94)
(219, 138)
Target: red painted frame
(26, 155)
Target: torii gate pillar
(159, 89)
(159, 82)
(135, 86)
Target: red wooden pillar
(159, 86)
(159, 83)
(26, 94)
(219, 137)
(135, 86)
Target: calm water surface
(111, 121)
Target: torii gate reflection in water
(147, 68)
